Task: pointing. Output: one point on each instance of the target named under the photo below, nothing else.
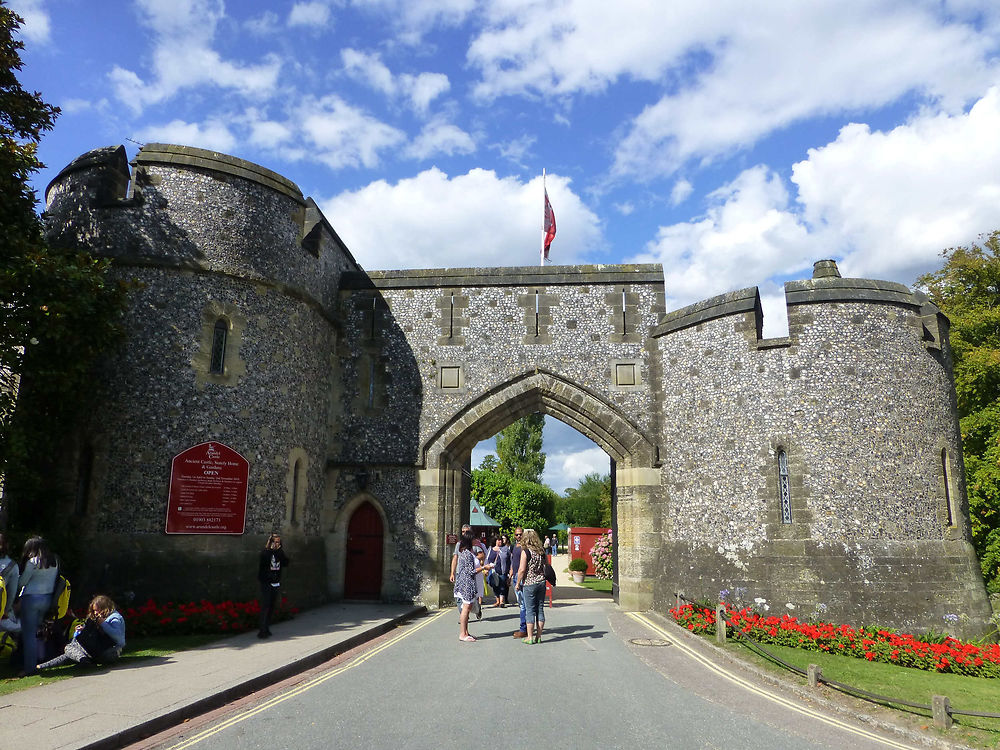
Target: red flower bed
(188, 618)
(873, 644)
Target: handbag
(550, 574)
(93, 639)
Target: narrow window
(623, 311)
(371, 332)
(946, 475)
(786, 500)
(218, 363)
(536, 312)
(371, 381)
(295, 490)
(83, 481)
(451, 317)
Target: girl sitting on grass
(99, 639)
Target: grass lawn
(916, 685)
(136, 650)
(597, 584)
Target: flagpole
(541, 251)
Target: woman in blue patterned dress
(465, 583)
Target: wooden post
(720, 623)
(815, 675)
(941, 708)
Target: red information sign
(208, 491)
(451, 539)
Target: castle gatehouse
(821, 471)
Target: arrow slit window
(783, 493)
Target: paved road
(587, 685)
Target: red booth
(581, 541)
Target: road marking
(309, 684)
(769, 696)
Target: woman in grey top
(39, 570)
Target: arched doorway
(363, 567)
(635, 472)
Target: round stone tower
(230, 333)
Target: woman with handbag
(531, 583)
(98, 639)
(39, 570)
(466, 570)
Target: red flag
(548, 226)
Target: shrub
(603, 557)
(578, 565)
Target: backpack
(60, 598)
(3, 587)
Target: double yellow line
(308, 685)
(763, 693)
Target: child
(100, 638)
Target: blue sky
(733, 142)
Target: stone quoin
(821, 470)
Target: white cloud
(891, 201)
(747, 235)
(626, 208)
(265, 23)
(731, 72)
(345, 136)
(680, 192)
(414, 18)
(439, 137)
(474, 219)
(212, 135)
(517, 150)
(182, 56)
(420, 90)
(565, 469)
(37, 27)
(309, 14)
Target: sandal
(466, 638)
(528, 641)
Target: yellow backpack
(60, 598)
(3, 588)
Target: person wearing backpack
(39, 570)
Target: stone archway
(637, 476)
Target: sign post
(208, 491)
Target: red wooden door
(363, 573)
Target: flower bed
(873, 644)
(188, 618)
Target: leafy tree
(514, 502)
(519, 448)
(58, 310)
(967, 289)
(587, 504)
(489, 463)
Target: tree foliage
(587, 504)
(514, 502)
(967, 289)
(58, 310)
(519, 448)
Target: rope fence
(940, 706)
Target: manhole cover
(648, 642)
